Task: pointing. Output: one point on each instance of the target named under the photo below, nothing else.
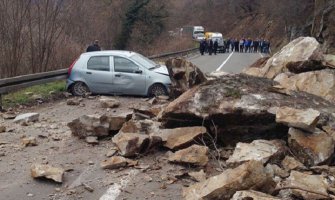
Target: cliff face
(323, 28)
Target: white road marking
(224, 62)
(114, 191)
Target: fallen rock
(180, 137)
(198, 176)
(195, 155)
(306, 186)
(2, 129)
(300, 55)
(73, 102)
(116, 121)
(252, 195)
(28, 117)
(329, 60)
(320, 83)
(184, 75)
(302, 119)
(142, 126)
(311, 149)
(289, 163)
(107, 102)
(131, 144)
(9, 116)
(260, 150)
(240, 108)
(29, 141)
(92, 140)
(275, 170)
(250, 175)
(117, 162)
(47, 171)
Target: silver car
(117, 72)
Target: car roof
(110, 52)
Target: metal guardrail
(19, 82)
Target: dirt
(153, 178)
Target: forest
(43, 35)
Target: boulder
(195, 155)
(289, 163)
(252, 195)
(142, 126)
(180, 137)
(311, 149)
(300, 55)
(260, 150)
(250, 175)
(198, 176)
(73, 102)
(306, 186)
(184, 75)
(240, 108)
(47, 171)
(275, 170)
(90, 125)
(116, 162)
(131, 144)
(302, 119)
(320, 83)
(29, 141)
(97, 125)
(255, 68)
(27, 117)
(107, 102)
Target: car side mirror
(138, 71)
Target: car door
(129, 78)
(98, 74)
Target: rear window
(98, 63)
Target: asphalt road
(228, 62)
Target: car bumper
(68, 84)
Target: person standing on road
(242, 43)
(236, 43)
(227, 45)
(210, 47)
(215, 46)
(256, 44)
(94, 47)
(202, 46)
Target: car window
(99, 63)
(144, 61)
(124, 65)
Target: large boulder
(300, 55)
(260, 150)
(306, 186)
(311, 149)
(180, 137)
(240, 108)
(131, 144)
(303, 119)
(184, 75)
(195, 155)
(250, 175)
(320, 83)
(97, 125)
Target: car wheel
(157, 90)
(79, 89)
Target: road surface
(232, 62)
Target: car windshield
(146, 62)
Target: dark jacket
(93, 47)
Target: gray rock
(107, 102)
(27, 117)
(131, 144)
(260, 150)
(47, 171)
(250, 175)
(92, 140)
(311, 149)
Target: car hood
(162, 69)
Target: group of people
(248, 45)
(243, 46)
(209, 46)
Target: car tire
(79, 89)
(157, 90)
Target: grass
(24, 96)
